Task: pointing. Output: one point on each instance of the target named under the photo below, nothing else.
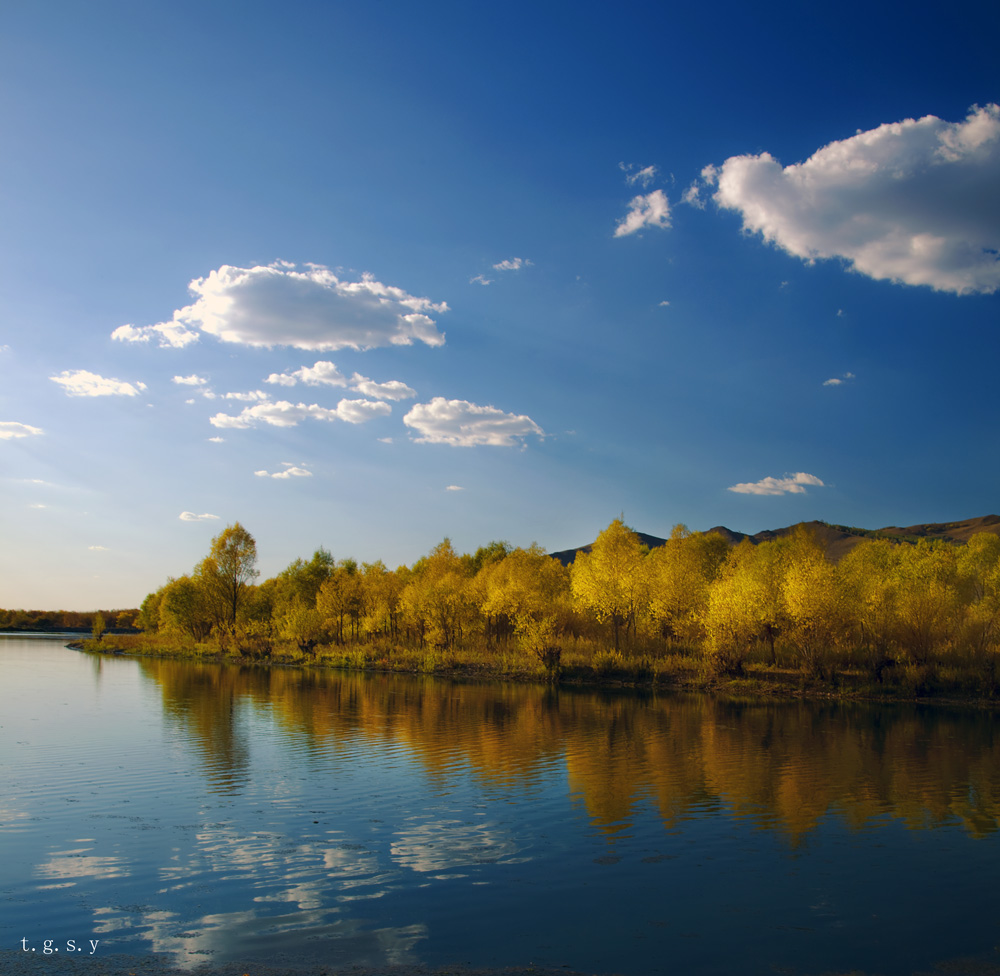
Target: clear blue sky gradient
(647, 373)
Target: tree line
(885, 605)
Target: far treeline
(89, 621)
(888, 616)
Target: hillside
(838, 539)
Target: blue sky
(367, 275)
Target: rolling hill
(838, 539)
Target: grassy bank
(581, 663)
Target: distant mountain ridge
(838, 539)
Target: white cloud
(193, 380)
(643, 177)
(791, 484)
(216, 440)
(385, 440)
(326, 372)
(321, 371)
(191, 517)
(285, 414)
(464, 424)
(651, 210)
(454, 488)
(390, 390)
(291, 471)
(664, 304)
(915, 202)
(98, 548)
(480, 279)
(692, 196)
(307, 309)
(81, 382)
(10, 429)
(252, 396)
(512, 264)
(170, 335)
(838, 380)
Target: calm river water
(213, 814)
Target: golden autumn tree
(530, 590)
(611, 580)
(746, 604)
(812, 606)
(436, 598)
(226, 576)
(680, 574)
(868, 581)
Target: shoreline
(759, 684)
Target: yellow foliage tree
(611, 580)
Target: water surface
(218, 814)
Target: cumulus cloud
(10, 429)
(312, 308)
(454, 488)
(793, 484)
(480, 279)
(916, 202)
(193, 380)
(321, 372)
(649, 210)
(291, 471)
(216, 440)
(390, 390)
(512, 264)
(838, 380)
(191, 517)
(81, 382)
(284, 414)
(464, 424)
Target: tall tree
(611, 580)
(227, 574)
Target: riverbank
(676, 672)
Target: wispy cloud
(512, 264)
(464, 424)
(98, 548)
(643, 176)
(191, 517)
(291, 471)
(10, 429)
(193, 380)
(649, 210)
(284, 414)
(480, 279)
(839, 380)
(794, 484)
(81, 382)
(912, 202)
(312, 308)
(454, 488)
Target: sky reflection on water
(213, 813)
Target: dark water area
(218, 815)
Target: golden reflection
(781, 766)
